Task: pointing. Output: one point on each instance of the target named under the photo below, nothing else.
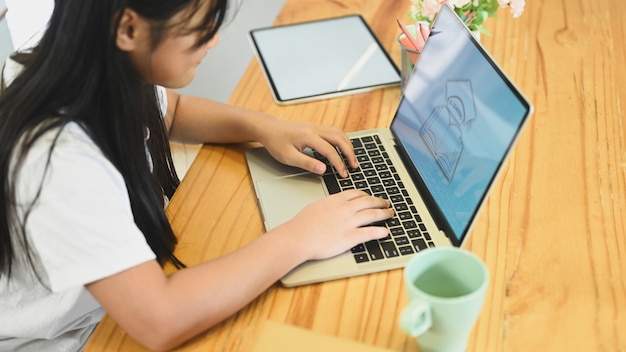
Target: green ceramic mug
(446, 289)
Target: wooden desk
(553, 233)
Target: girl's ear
(129, 30)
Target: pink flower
(426, 10)
(517, 7)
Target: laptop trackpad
(282, 198)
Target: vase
(408, 58)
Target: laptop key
(373, 248)
(331, 184)
(378, 189)
(358, 248)
(402, 240)
(361, 258)
(393, 190)
(345, 183)
(358, 176)
(409, 224)
(381, 167)
(405, 215)
(396, 198)
(401, 207)
(393, 222)
(419, 244)
(396, 231)
(378, 223)
(361, 185)
(373, 180)
(370, 146)
(413, 233)
(389, 182)
(389, 249)
(406, 250)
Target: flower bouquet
(473, 12)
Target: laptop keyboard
(378, 177)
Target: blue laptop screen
(458, 119)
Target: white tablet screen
(321, 59)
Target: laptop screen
(458, 119)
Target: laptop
(457, 121)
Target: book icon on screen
(444, 129)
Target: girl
(85, 123)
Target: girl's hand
(286, 140)
(337, 223)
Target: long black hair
(77, 74)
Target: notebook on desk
(457, 121)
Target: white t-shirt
(81, 230)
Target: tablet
(322, 59)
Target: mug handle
(416, 318)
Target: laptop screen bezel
(436, 212)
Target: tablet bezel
(257, 47)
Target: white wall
(221, 69)
(219, 72)
(6, 47)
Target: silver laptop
(457, 121)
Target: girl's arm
(162, 312)
(197, 120)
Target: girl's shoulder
(64, 150)
(66, 137)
